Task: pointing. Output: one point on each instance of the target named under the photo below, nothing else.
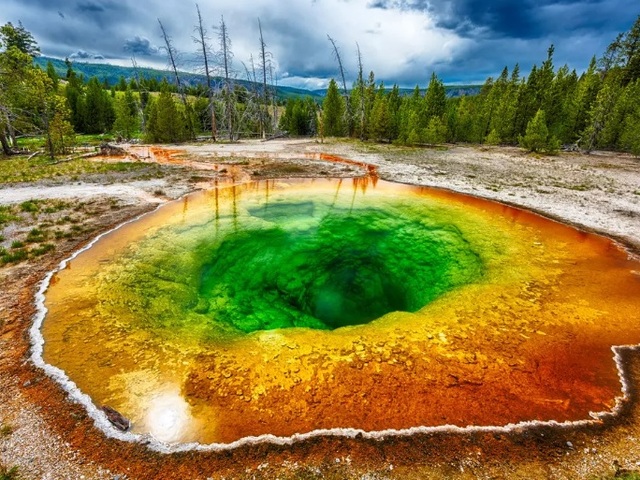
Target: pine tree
(380, 124)
(414, 134)
(168, 129)
(100, 113)
(493, 138)
(464, 120)
(482, 115)
(14, 66)
(394, 102)
(630, 132)
(369, 100)
(600, 114)
(435, 98)
(333, 112)
(436, 131)
(20, 38)
(126, 108)
(537, 138)
(503, 122)
(625, 107)
(74, 92)
(624, 54)
(151, 120)
(122, 84)
(60, 132)
(53, 75)
(585, 95)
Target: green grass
(36, 236)
(47, 247)
(31, 206)
(18, 169)
(624, 476)
(56, 206)
(9, 473)
(41, 218)
(38, 142)
(6, 215)
(14, 257)
(5, 430)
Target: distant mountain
(112, 74)
(452, 90)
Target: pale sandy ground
(598, 192)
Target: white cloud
(401, 41)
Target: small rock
(569, 444)
(116, 418)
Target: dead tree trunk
(263, 57)
(5, 144)
(173, 54)
(336, 54)
(141, 107)
(361, 112)
(274, 95)
(201, 39)
(225, 47)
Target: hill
(113, 73)
(452, 90)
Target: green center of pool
(296, 263)
(346, 270)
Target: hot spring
(283, 307)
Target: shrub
(8, 473)
(36, 235)
(537, 138)
(47, 247)
(30, 206)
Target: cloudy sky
(402, 41)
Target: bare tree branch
(202, 40)
(136, 73)
(172, 53)
(263, 65)
(361, 113)
(336, 54)
(225, 50)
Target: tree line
(600, 108)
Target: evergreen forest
(550, 108)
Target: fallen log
(35, 154)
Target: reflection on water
(283, 307)
(168, 416)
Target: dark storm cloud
(401, 40)
(81, 54)
(309, 56)
(90, 7)
(527, 19)
(506, 32)
(140, 46)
